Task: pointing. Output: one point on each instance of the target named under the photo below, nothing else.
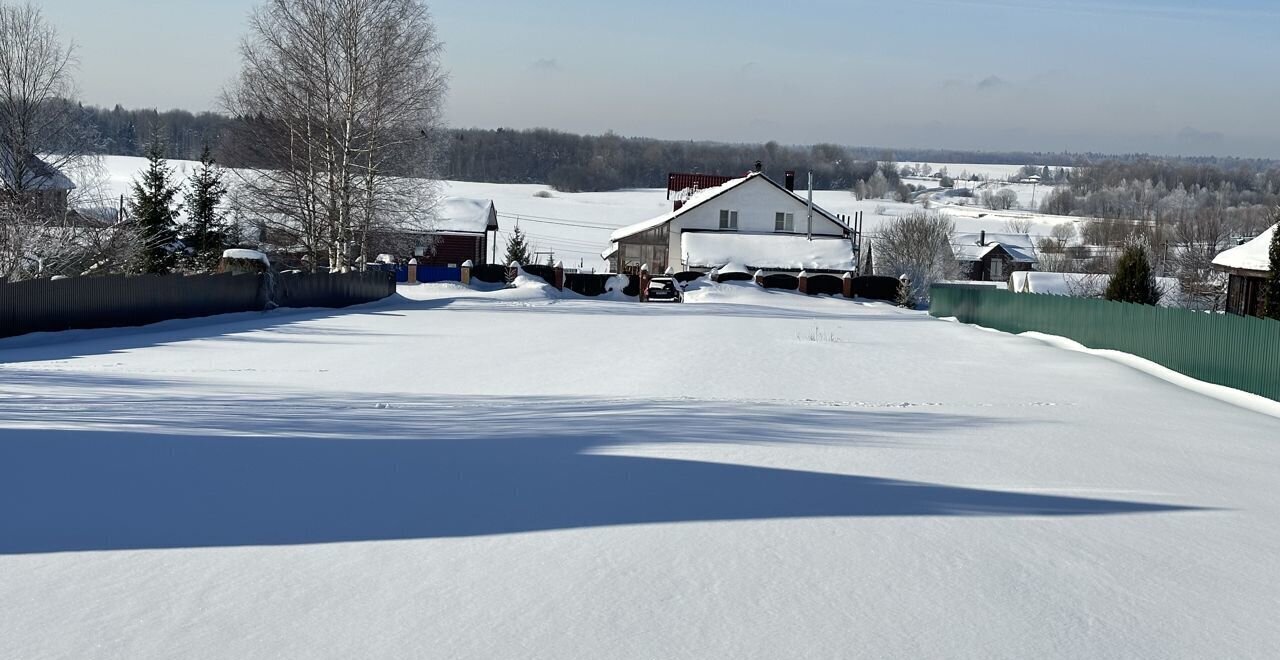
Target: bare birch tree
(340, 102)
(41, 136)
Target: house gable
(757, 201)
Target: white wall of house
(757, 202)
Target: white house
(752, 221)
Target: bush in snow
(1133, 280)
(919, 247)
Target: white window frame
(728, 220)
(784, 222)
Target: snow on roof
(693, 202)
(767, 251)
(247, 255)
(969, 247)
(470, 216)
(38, 175)
(1082, 285)
(704, 196)
(1254, 255)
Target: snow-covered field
(750, 475)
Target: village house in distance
(1249, 267)
(751, 222)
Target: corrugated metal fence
(117, 301)
(1235, 351)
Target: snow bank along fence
(1234, 351)
(117, 301)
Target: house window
(997, 270)
(729, 220)
(784, 222)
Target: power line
(556, 221)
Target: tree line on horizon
(572, 162)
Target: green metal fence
(1235, 351)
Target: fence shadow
(107, 473)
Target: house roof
(37, 174)
(711, 249)
(969, 247)
(466, 216)
(704, 196)
(1252, 256)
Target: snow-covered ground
(511, 474)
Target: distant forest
(577, 163)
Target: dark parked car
(664, 289)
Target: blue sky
(1166, 76)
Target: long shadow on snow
(78, 343)
(181, 473)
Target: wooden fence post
(466, 272)
(559, 276)
(413, 272)
(847, 280)
(644, 282)
(760, 278)
(804, 282)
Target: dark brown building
(464, 230)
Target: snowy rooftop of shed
(469, 216)
(1254, 255)
(766, 251)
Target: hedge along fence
(115, 301)
(1234, 351)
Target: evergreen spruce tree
(207, 233)
(155, 213)
(517, 248)
(1271, 294)
(1133, 280)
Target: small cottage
(463, 230)
(1248, 267)
(987, 257)
(35, 181)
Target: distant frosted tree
(919, 247)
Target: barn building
(1248, 267)
(464, 230)
(752, 221)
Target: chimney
(791, 180)
(759, 167)
(678, 205)
(982, 239)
